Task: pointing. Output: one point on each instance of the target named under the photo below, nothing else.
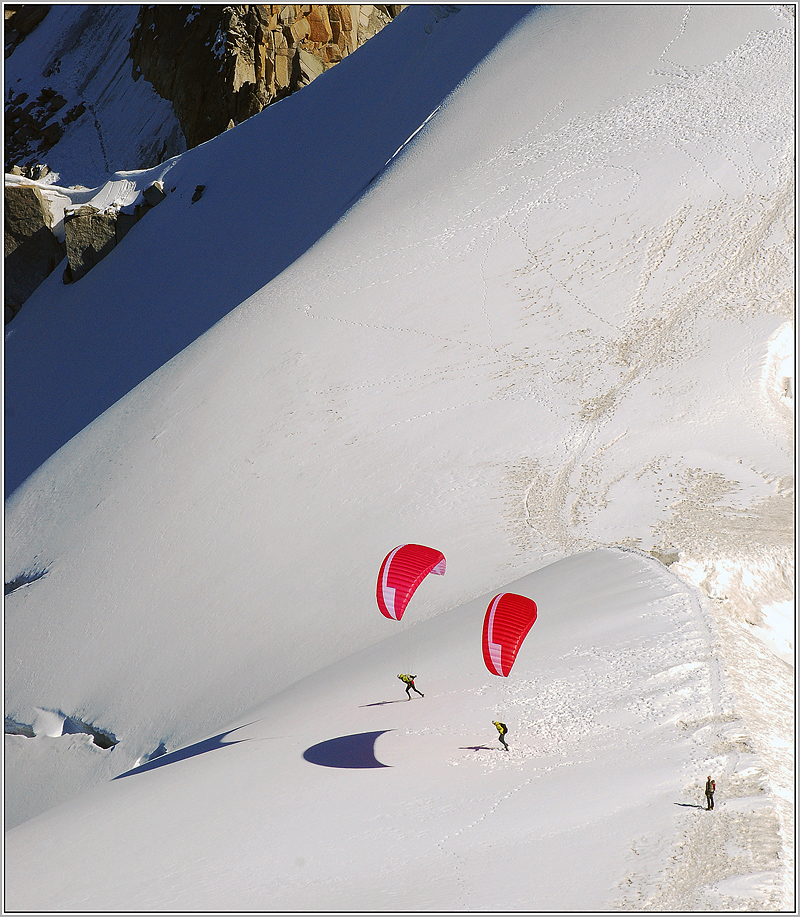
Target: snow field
(83, 57)
(616, 713)
(567, 333)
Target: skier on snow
(408, 680)
(502, 729)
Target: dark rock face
(91, 233)
(20, 21)
(90, 236)
(219, 65)
(31, 249)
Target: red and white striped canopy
(508, 619)
(402, 570)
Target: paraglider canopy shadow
(199, 748)
(356, 750)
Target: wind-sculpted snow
(559, 319)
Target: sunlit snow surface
(339, 793)
(560, 319)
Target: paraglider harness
(410, 686)
(502, 729)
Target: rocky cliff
(216, 66)
(31, 249)
(219, 65)
(70, 94)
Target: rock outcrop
(219, 65)
(32, 250)
(216, 65)
(39, 234)
(90, 236)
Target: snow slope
(81, 52)
(339, 794)
(272, 189)
(559, 319)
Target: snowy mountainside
(560, 335)
(93, 88)
(338, 793)
(271, 190)
(82, 52)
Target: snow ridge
(551, 340)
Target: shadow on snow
(380, 703)
(356, 750)
(191, 751)
(67, 362)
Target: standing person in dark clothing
(502, 729)
(408, 680)
(710, 787)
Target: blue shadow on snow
(346, 751)
(75, 351)
(380, 703)
(199, 748)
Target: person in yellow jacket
(408, 680)
(502, 729)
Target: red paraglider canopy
(508, 619)
(402, 570)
